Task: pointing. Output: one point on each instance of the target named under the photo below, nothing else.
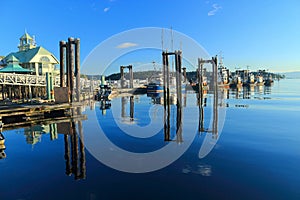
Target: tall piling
(77, 68)
(62, 47)
(71, 66)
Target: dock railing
(25, 79)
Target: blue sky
(256, 33)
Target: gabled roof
(11, 59)
(28, 55)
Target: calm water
(256, 156)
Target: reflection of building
(37, 59)
(34, 134)
(2, 146)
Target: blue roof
(14, 68)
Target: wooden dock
(26, 114)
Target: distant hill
(292, 75)
(138, 75)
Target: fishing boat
(260, 80)
(236, 82)
(250, 80)
(223, 74)
(155, 84)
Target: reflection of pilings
(184, 74)
(74, 148)
(131, 107)
(179, 95)
(82, 152)
(215, 117)
(184, 97)
(67, 155)
(166, 97)
(71, 152)
(123, 107)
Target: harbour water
(256, 156)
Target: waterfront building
(32, 57)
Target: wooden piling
(62, 48)
(71, 67)
(77, 68)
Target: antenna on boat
(221, 59)
(172, 42)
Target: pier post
(131, 75)
(77, 68)
(122, 76)
(62, 48)
(71, 66)
(168, 91)
(179, 95)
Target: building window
(40, 68)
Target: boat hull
(155, 88)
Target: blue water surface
(256, 156)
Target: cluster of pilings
(166, 90)
(21, 91)
(123, 76)
(202, 100)
(74, 151)
(70, 64)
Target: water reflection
(131, 108)
(105, 104)
(33, 134)
(249, 92)
(2, 146)
(74, 150)
(72, 130)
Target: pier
(24, 86)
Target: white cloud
(126, 45)
(216, 7)
(106, 9)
